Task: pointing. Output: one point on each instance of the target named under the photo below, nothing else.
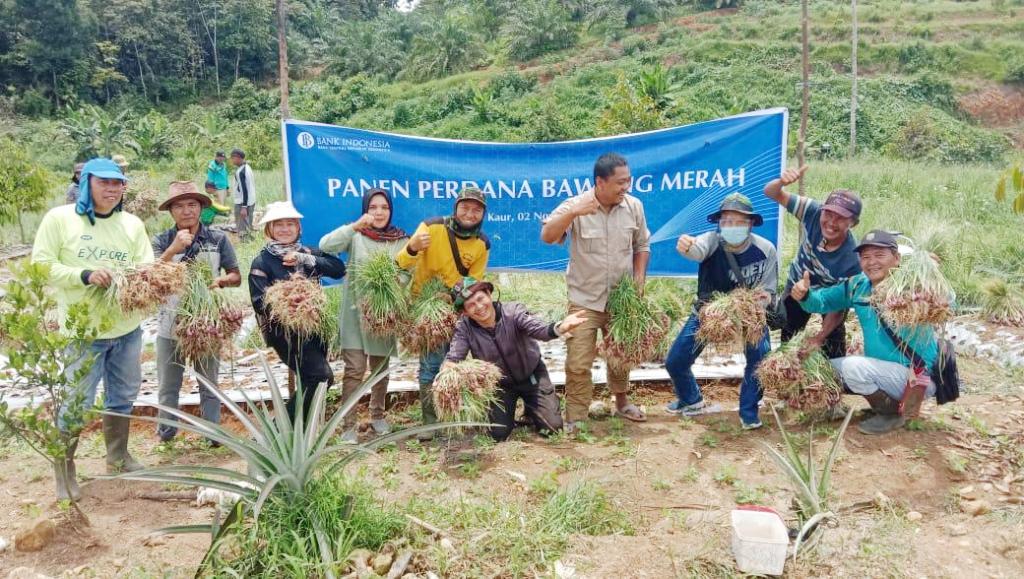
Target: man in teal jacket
(881, 375)
(217, 173)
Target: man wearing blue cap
(730, 257)
(83, 244)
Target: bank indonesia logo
(306, 140)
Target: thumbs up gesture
(799, 290)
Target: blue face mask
(735, 235)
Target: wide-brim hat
(181, 190)
(279, 210)
(739, 203)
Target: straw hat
(180, 190)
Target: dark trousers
(307, 358)
(796, 320)
(539, 399)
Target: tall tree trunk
(282, 56)
(806, 86)
(142, 75)
(56, 93)
(853, 92)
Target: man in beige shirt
(608, 239)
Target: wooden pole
(853, 92)
(806, 90)
(282, 56)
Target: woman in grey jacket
(371, 233)
(506, 334)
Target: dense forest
(163, 81)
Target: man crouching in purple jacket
(506, 335)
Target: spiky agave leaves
(465, 391)
(206, 320)
(141, 289)
(635, 328)
(283, 457)
(733, 318)
(915, 293)
(810, 385)
(433, 319)
(298, 304)
(383, 307)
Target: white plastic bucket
(760, 542)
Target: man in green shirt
(83, 244)
(217, 173)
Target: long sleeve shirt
(757, 260)
(855, 293)
(346, 239)
(245, 186)
(218, 174)
(511, 344)
(267, 269)
(438, 260)
(72, 248)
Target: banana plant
(283, 456)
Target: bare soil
(676, 480)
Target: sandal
(631, 412)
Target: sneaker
(752, 425)
(674, 407)
(350, 436)
(380, 426)
(699, 408)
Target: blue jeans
(684, 352)
(430, 363)
(117, 361)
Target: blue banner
(680, 174)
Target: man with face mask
(729, 258)
(449, 248)
(506, 335)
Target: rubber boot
(115, 434)
(886, 417)
(427, 408)
(69, 490)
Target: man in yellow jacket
(84, 244)
(449, 248)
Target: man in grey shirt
(608, 239)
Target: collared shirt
(245, 186)
(826, 267)
(601, 249)
(209, 245)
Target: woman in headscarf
(373, 232)
(283, 256)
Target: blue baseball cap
(104, 169)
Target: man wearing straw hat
(83, 244)
(189, 241)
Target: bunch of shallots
(298, 304)
(433, 319)
(465, 391)
(636, 329)
(728, 319)
(383, 306)
(802, 378)
(206, 321)
(915, 293)
(143, 288)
